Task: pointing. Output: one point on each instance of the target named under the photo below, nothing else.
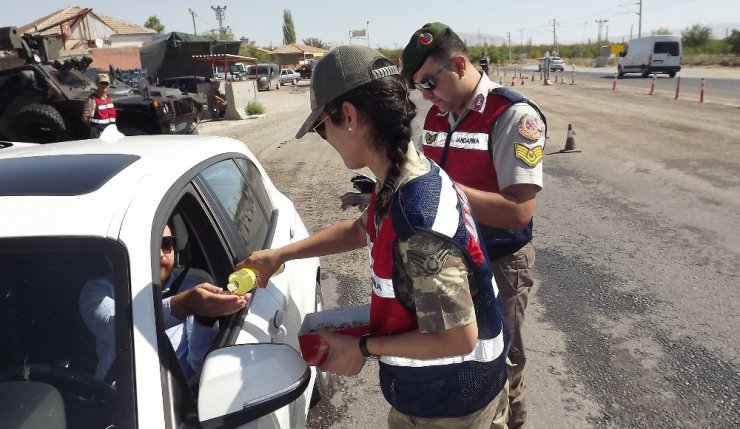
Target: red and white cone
(570, 141)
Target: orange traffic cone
(570, 141)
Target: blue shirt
(190, 339)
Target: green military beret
(422, 42)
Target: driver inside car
(190, 316)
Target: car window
(49, 290)
(670, 48)
(243, 198)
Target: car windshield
(49, 368)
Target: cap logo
(426, 39)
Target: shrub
(254, 107)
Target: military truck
(42, 97)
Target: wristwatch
(364, 351)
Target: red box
(314, 348)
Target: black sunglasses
(429, 82)
(320, 127)
(168, 244)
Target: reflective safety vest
(466, 155)
(451, 386)
(104, 113)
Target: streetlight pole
(639, 20)
(367, 29)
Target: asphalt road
(718, 87)
(633, 320)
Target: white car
(78, 210)
(556, 64)
(289, 76)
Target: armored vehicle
(42, 97)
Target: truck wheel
(672, 74)
(295, 81)
(644, 71)
(620, 72)
(40, 123)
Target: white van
(651, 54)
(268, 77)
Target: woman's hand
(344, 354)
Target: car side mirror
(242, 383)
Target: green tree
(661, 30)
(734, 41)
(288, 28)
(316, 43)
(696, 35)
(153, 23)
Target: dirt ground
(633, 320)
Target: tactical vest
(104, 113)
(442, 387)
(466, 154)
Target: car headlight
(165, 108)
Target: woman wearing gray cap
(435, 324)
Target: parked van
(651, 54)
(268, 77)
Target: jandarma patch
(426, 38)
(478, 102)
(529, 128)
(530, 156)
(429, 138)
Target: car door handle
(276, 327)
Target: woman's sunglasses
(168, 244)
(320, 127)
(429, 82)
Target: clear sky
(390, 23)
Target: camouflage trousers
(494, 416)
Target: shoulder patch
(478, 102)
(529, 128)
(530, 156)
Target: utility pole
(220, 16)
(367, 29)
(508, 34)
(601, 22)
(554, 36)
(639, 19)
(192, 13)
(521, 37)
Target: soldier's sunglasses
(429, 82)
(168, 244)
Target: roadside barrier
(533, 77)
(522, 77)
(678, 87)
(513, 79)
(701, 93)
(652, 86)
(614, 82)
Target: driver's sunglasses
(168, 244)
(429, 82)
(320, 127)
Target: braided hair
(387, 112)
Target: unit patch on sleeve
(529, 128)
(530, 156)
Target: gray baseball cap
(343, 69)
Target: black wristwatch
(364, 351)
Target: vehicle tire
(295, 81)
(620, 72)
(672, 74)
(40, 123)
(644, 72)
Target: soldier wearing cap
(436, 329)
(99, 111)
(490, 141)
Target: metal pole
(367, 28)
